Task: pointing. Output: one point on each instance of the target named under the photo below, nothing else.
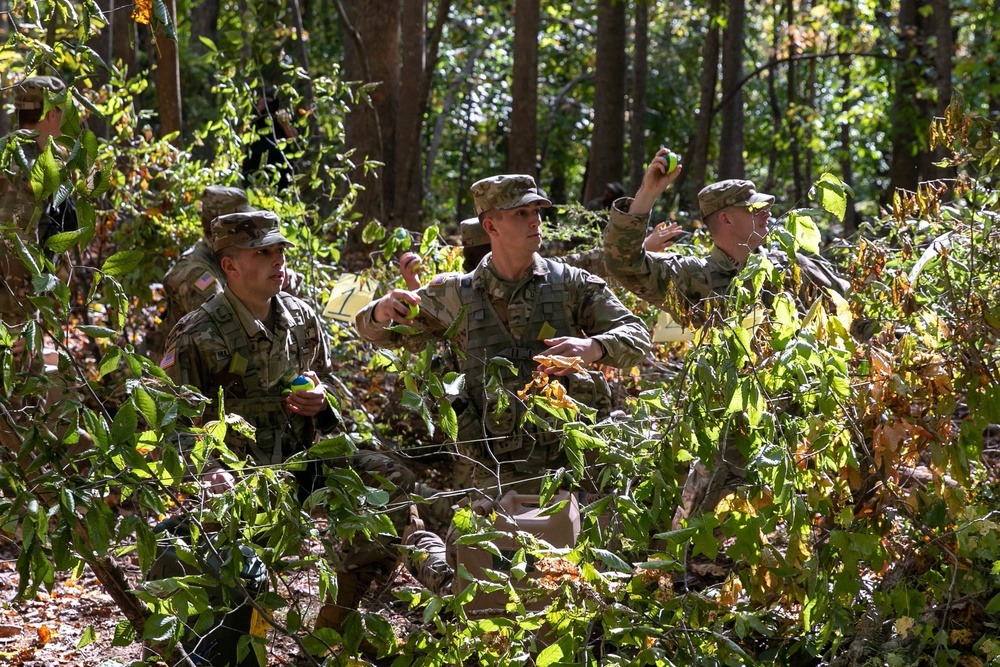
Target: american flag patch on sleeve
(205, 281)
(168, 359)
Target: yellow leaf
(44, 635)
(142, 11)
(903, 625)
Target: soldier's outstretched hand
(399, 305)
(657, 178)
(309, 402)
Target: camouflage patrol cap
(473, 233)
(731, 192)
(219, 200)
(30, 93)
(505, 192)
(251, 229)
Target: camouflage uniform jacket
(222, 345)
(511, 320)
(688, 287)
(193, 280)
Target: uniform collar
(251, 324)
(487, 278)
(725, 262)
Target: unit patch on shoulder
(205, 281)
(595, 280)
(169, 359)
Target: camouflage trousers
(704, 487)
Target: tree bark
(792, 93)
(204, 23)
(168, 79)
(371, 55)
(731, 136)
(938, 24)
(697, 157)
(846, 20)
(123, 36)
(523, 155)
(101, 43)
(638, 153)
(607, 161)
(904, 163)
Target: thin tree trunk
(419, 189)
(731, 136)
(607, 161)
(638, 153)
(309, 92)
(697, 158)
(904, 164)
(847, 103)
(168, 79)
(204, 23)
(993, 31)
(939, 24)
(523, 147)
(777, 117)
(101, 43)
(409, 120)
(794, 125)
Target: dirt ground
(48, 630)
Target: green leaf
(832, 196)
(89, 636)
(160, 628)
(146, 405)
(122, 262)
(124, 634)
(27, 258)
(612, 560)
(373, 232)
(209, 44)
(95, 331)
(806, 233)
(163, 16)
(60, 243)
(448, 419)
(125, 424)
(45, 175)
(70, 125)
(554, 654)
(411, 400)
(109, 362)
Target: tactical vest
(279, 433)
(488, 337)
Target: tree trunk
(638, 153)
(697, 157)
(371, 55)
(904, 164)
(845, 150)
(123, 36)
(523, 156)
(101, 43)
(993, 31)
(938, 24)
(777, 117)
(204, 23)
(792, 93)
(168, 79)
(731, 136)
(607, 161)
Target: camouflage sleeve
(591, 261)
(440, 306)
(628, 261)
(622, 334)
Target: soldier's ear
(489, 226)
(228, 264)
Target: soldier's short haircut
(27, 117)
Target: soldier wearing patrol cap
(689, 288)
(197, 276)
(737, 217)
(251, 340)
(516, 305)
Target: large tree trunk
(168, 78)
(638, 153)
(697, 157)
(371, 55)
(607, 161)
(523, 155)
(904, 167)
(731, 136)
(123, 35)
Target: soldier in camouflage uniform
(514, 305)
(197, 276)
(251, 340)
(692, 289)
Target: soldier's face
(518, 229)
(260, 271)
(748, 227)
